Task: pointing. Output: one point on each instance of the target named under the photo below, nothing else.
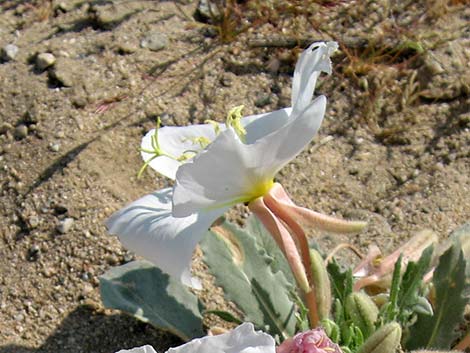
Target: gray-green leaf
(242, 267)
(142, 290)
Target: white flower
(242, 339)
(215, 170)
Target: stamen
(215, 125)
(156, 150)
(233, 120)
(199, 140)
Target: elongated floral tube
(284, 240)
(311, 218)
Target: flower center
(261, 188)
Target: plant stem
(311, 302)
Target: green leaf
(392, 306)
(439, 330)
(413, 279)
(240, 264)
(142, 290)
(341, 281)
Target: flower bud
(362, 311)
(321, 284)
(312, 341)
(385, 340)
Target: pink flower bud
(312, 341)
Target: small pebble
(33, 222)
(126, 48)
(9, 52)
(154, 41)
(21, 131)
(54, 147)
(45, 60)
(33, 253)
(112, 259)
(263, 101)
(65, 225)
(5, 127)
(226, 80)
(49, 272)
(87, 289)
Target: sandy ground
(393, 149)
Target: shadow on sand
(86, 331)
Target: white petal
(222, 175)
(174, 141)
(143, 349)
(311, 63)
(242, 339)
(258, 126)
(229, 171)
(148, 228)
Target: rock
(126, 48)
(112, 259)
(65, 225)
(226, 80)
(79, 101)
(9, 52)
(54, 147)
(86, 290)
(5, 127)
(49, 272)
(63, 72)
(63, 7)
(154, 41)
(33, 253)
(108, 17)
(33, 221)
(45, 60)
(263, 101)
(21, 131)
(208, 11)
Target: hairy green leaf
(408, 296)
(391, 308)
(341, 281)
(142, 290)
(439, 330)
(240, 264)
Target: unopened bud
(362, 311)
(385, 340)
(321, 284)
